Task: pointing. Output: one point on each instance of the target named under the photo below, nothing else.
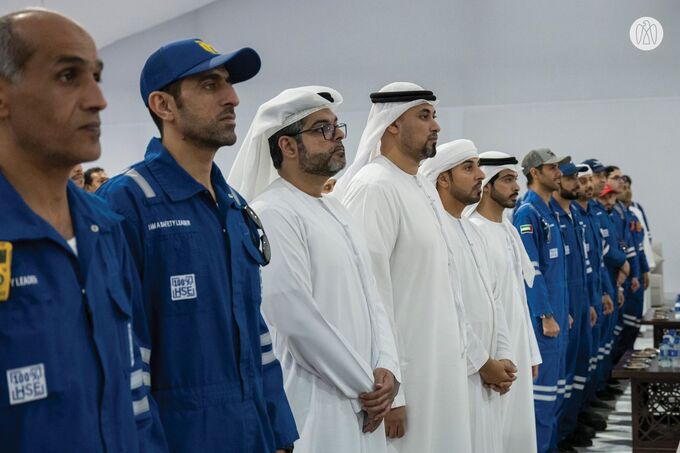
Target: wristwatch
(548, 316)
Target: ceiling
(109, 21)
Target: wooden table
(655, 406)
(660, 325)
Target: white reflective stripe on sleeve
(146, 355)
(579, 386)
(545, 397)
(589, 270)
(631, 255)
(545, 388)
(631, 323)
(130, 345)
(136, 379)
(580, 379)
(140, 406)
(265, 339)
(141, 182)
(561, 390)
(631, 317)
(268, 357)
(567, 396)
(561, 382)
(630, 249)
(139, 378)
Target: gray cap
(541, 156)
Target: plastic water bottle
(664, 354)
(676, 358)
(676, 308)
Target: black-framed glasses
(328, 130)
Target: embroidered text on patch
(183, 287)
(526, 229)
(26, 384)
(169, 224)
(24, 280)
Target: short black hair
(274, 149)
(174, 89)
(88, 174)
(609, 169)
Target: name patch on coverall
(27, 384)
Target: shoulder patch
(526, 228)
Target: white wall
(509, 75)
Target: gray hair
(14, 51)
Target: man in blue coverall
(199, 248)
(620, 219)
(548, 303)
(618, 268)
(598, 297)
(634, 300)
(72, 375)
(580, 331)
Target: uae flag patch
(526, 229)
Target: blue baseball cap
(569, 169)
(595, 165)
(187, 57)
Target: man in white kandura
(329, 328)
(512, 267)
(455, 173)
(403, 222)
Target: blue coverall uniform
(614, 256)
(216, 380)
(73, 377)
(579, 345)
(542, 239)
(634, 304)
(620, 219)
(594, 271)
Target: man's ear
(393, 128)
(288, 146)
(163, 105)
(443, 180)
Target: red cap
(606, 191)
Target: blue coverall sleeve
(614, 257)
(529, 227)
(280, 415)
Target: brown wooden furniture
(655, 406)
(660, 325)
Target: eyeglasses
(616, 178)
(328, 130)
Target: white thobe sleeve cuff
(476, 354)
(400, 399)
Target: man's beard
(427, 153)
(568, 194)
(207, 134)
(506, 202)
(320, 164)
